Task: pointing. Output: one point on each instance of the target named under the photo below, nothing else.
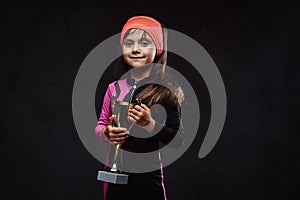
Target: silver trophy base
(112, 177)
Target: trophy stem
(114, 166)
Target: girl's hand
(116, 135)
(141, 116)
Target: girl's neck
(140, 73)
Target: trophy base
(112, 177)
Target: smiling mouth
(136, 57)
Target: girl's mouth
(136, 57)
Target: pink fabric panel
(124, 88)
(105, 112)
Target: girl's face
(138, 48)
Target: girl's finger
(111, 120)
(116, 143)
(132, 119)
(145, 107)
(136, 117)
(134, 111)
(117, 129)
(138, 108)
(118, 135)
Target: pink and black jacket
(165, 129)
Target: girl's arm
(172, 127)
(104, 130)
(162, 129)
(104, 115)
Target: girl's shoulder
(122, 83)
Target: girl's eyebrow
(146, 39)
(128, 39)
(141, 39)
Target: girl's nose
(136, 48)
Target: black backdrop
(252, 43)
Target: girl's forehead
(137, 33)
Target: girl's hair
(169, 91)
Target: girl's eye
(144, 43)
(128, 43)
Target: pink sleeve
(105, 112)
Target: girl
(143, 42)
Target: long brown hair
(169, 91)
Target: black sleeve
(171, 127)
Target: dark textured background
(252, 43)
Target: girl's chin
(138, 65)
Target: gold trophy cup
(114, 175)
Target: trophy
(115, 175)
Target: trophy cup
(114, 175)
